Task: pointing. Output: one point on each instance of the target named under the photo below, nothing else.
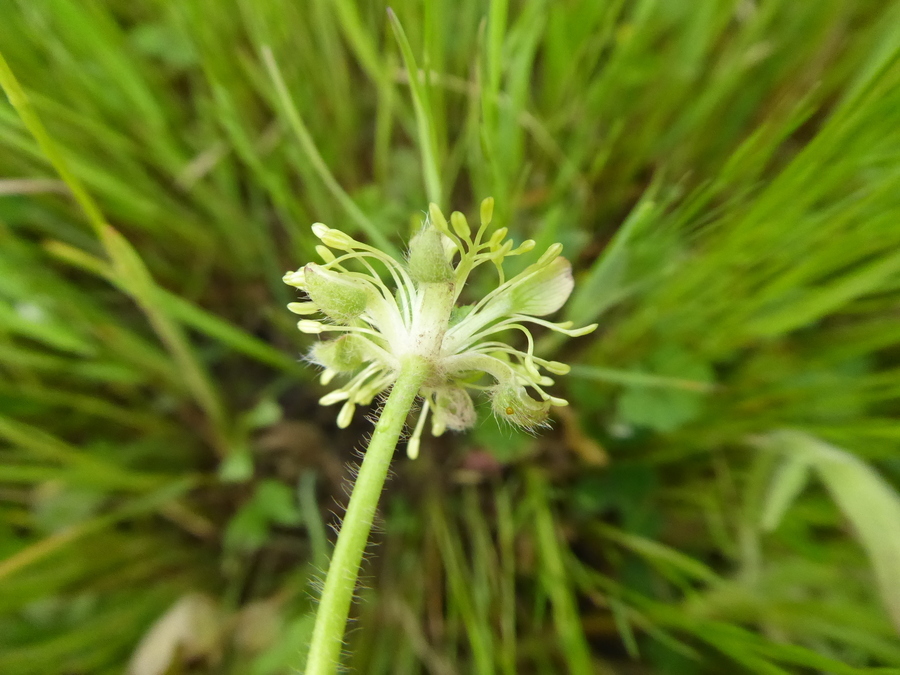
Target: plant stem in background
(331, 618)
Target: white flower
(415, 314)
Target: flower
(384, 310)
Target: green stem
(331, 618)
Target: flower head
(384, 310)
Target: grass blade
(428, 144)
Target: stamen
(524, 247)
(461, 226)
(346, 415)
(415, 441)
(335, 396)
(303, 308)
(558, 327)
(555, 367)
(486, 214)
(325, 253)
(348, 389)
(310, 327)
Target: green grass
(725, 176)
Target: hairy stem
(334, 607)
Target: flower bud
(453, 409)
(428, 262)
(512, 403)
(338, 296)
(341, 355)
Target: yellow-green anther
(524, 247)
(303, 308)
(496, 238)
(333, 238)
(339, 296)
(294, 279)
(557, 368)
(552, 252)
(325, 253)
(578, 332)
(487, 211)
(333, 397)
(346, 415)
(310, 327)
(460, 225)
(437, 218)
(428, 263)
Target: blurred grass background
(721, 495)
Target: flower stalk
(399, 328)
(340, 583)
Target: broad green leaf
(788, 482)
(870, 504)
(666, 409)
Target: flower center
(431, 320)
